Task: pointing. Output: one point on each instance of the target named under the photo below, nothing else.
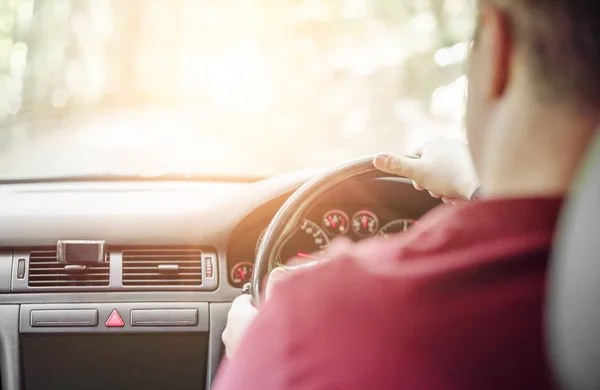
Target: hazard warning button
(114, 320)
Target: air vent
(162, 267)
(44, 271)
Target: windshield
(224, 87)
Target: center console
(104, 346)
(60, 329)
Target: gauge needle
(308, 256)
(331, 221)
(242, 273)
(364, 221)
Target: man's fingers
(397, 165)
(447, 200)
(240, 316)
(242, 302)
(417, 186)
(275, 278)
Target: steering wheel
(293, 211)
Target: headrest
(574, 284)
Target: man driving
(457, 301)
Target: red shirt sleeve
(317, 333)
(264, 359)
(461, 317)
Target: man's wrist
(476, 194)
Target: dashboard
(176, 255)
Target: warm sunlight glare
(223, 87)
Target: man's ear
(496, 49)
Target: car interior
(114, 277)
(110, 294)
(102, 291)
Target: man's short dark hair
(561, 42)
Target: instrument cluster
(362, 224)
(321, 226)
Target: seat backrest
(574, 285)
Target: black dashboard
(164, 287)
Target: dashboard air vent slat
(162, 267)
(44, 271)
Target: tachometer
(336, 222)
(396, 226)
(307, 240)
(364, 223)
(241, 273)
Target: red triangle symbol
(114, 320)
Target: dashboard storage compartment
(134, 317)
(164, 317)
(64, 318)
(149, 361)
(157, 345)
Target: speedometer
(396, 226)
(364, 223)
(308, 239)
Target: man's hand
(444, 169)
(242, 311)
(240, 316)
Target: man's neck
(535, 150)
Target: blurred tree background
(252, 87)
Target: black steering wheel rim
(295, 208)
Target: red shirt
(454, 303)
